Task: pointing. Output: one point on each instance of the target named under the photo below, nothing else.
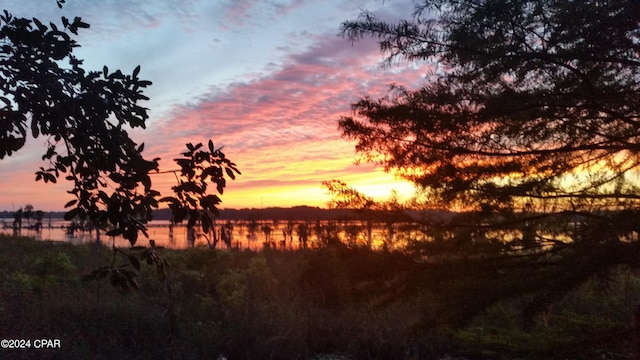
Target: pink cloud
(288, 6)
(279, 125)
(237, 12)
(282, 125)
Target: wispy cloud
(266, 79)
(281, 126)
(237, 12)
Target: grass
(354, 304)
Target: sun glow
(377, 184)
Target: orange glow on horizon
(375, 184)
(277, 120)
(297, 184)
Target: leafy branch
(200, 168)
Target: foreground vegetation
(354, 303)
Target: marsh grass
(353, 304)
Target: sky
(266, 79)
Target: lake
(252, 235)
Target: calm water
(242, 234)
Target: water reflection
(249, 234)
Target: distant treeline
(300, 213)
(273, 213)
(308, 213)
(47, 214)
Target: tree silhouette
(529, 122)
(39, 216)
(199, 168)
(17, 220)
(528, 103)
(28, 213)
(84, 116)
(303, 235)
(365, 207)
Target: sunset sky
(268, 80)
